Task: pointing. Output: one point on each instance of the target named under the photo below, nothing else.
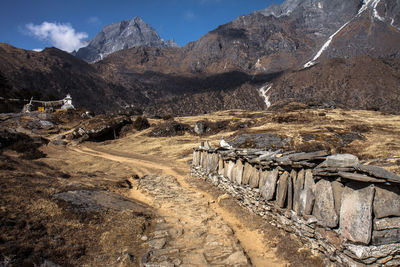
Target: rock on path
(191, 233)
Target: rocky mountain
(283, 37)
(360, 82)
(332, 52)
(269, 48)
(121, 35)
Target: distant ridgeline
(346, 210)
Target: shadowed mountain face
(51, 74)
(343, 52)
(121, 35)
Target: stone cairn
(348, 211)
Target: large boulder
(200, 127)
(340, 161)
(356, 212)
(101, 128)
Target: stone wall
(346, 210)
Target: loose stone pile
(346, 210)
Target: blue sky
(71, 23)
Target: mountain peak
(137, 19)
(121, 35)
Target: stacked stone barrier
(348, 211)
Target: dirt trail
(200, 232)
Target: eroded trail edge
(196, 229)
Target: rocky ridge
(121, 35)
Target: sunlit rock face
(121, 35)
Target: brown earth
(36, 227)
(62, 209)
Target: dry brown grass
(372, 136)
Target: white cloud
(60, 35)
(37, 49)
(94, 21)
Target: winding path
(195, 229)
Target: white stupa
(67, 102)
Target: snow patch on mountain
(366, 4)
(324, 47)
(364, 7)
(375, 12)
(264, 91)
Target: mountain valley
(228, 67)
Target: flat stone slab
(247, 173)
(387, 223)
(324, 208)
(99, 200)
(226, 164)
(282, 190)
(220, 166)
(291, 182)
(239, 171)
(365, 252)
(268, 189)
(386, 201)
(360, 177)
(204, 155)
(337, 189)
(298, 187)
(196, 158)
(214, 162)
(379, 172)
(308, 156)
(319, 170)
(307, 197)
(263, 177)
(389, 236)
(254, 177)
(231, 166)
(356, 212)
